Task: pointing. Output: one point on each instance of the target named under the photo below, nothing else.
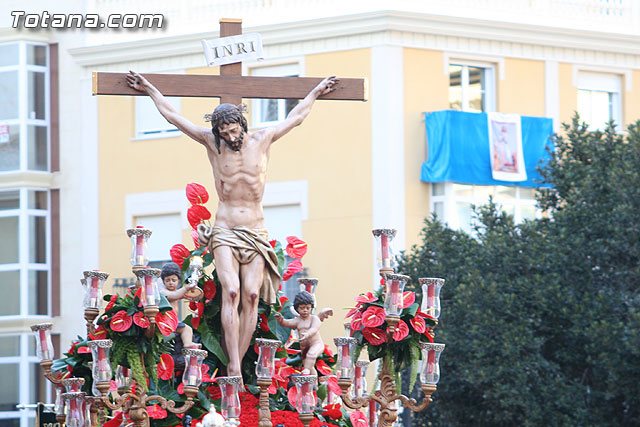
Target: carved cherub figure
(171, 277)
(308, 327)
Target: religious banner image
(505, 142)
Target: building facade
(77, 170)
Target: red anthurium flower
(375, 336)
(165, 367)
(209, 290)
(116, 421)
(99, 334)
(156, 412)
(82, 350)
(382, 282)
(296, 247)
(140, 320)
(138, 295)
(193, 306)
(356, 322)
(196, 214)
(418, 324)
(332, 384)
(408, 298)
(264, 322)
(180, 388)
(368, 297)
(121, 321)
(205, 376)
(167, 322)
(73, 348)
(178, 253)
(273, 388)
(352, 311)
(292, 395)
(200, 306)
(197, 194)
(323, 368)
(332, 411)
(428, 335)
(283, 299)
(215, 392)
(112, 302)
(358, 419)
(401, 332)
(293, 268)
(273, 243)
(195, 322)
(373, 316)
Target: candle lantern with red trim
(148, 278)
(305, 384)
(394, 284)
(139, 237)
(386, 255)
(75, 408)
(332, 398)
(123, 377)
(93, 282)
(430, 373)
(431, 296)
(44, 346)
(193, 359)
(101, 370)
(345, 347)
(230, 404)
(265, 366)
(359, 381)
(73, 384)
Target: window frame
(598, 81)
(23, 121)
(490, 91)
(169, 131)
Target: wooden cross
(230, 86)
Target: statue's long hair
(225, 114)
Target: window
(24, 110)
(452, 203)
(267, 112)
(24, 253)
(150, 123)
(599, 99)
(471, 87)
(23, 382)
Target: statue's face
(304, 310)
(171, 282)
(232, 134)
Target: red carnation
(167, 322)
(215, 392)
(196, 214)
(178, 253)
(140, 320)
(293, 268)
(401, 332)
(209, 290)
(408, 298)
(165, 367)
(121, 321)
(375, 336)
(418, 323)
(197, 194)
(332, 411)
(373, 316)
(296, 247)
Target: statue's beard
(236, 144)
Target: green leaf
(211, 343)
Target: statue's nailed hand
(327, 85)
(137, 82)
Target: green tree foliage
(542, 320)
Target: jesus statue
(246, 264)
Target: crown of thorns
(221, 114)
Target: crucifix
(246, 264)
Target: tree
(542, 320)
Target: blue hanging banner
(459, 149)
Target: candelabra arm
(413, 405)
(46, 366)
(360, 402)
(170, 405)
(118, 401)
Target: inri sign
(227, 50)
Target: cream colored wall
(426, 88)
(631, 99)
(522, 90)
(568, 93)
(331, 150)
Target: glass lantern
(431, 296)
(265, 366)
(44, 346)
(394, 284)
(230, 404)
(309, 285)
(386, 255)
(75, 406)
(148, 278)
(345, 347)
(58, 407)
(123, 377)
(139, 237)
(93, 282)
(73, 384)
(193, 359)
(359, 380)
(332, 398)
(305, 384)
(100, 349)
(430, 372)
